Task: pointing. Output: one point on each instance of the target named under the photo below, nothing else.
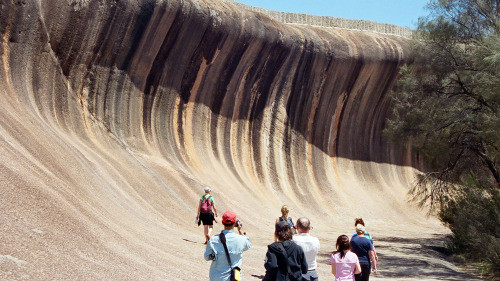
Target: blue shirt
(367, 235)
(214, 251)
(361, 246)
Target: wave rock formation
(115, 114)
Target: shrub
(474, 219)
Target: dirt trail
(401, 257)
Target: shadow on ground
(418, 259)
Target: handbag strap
(223, 240)
(280, 244)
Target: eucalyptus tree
(447, 99)
(447, 106)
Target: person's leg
(210, 228)
(205, 228)
(210, 223)
(365, 272)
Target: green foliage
(474, 219)
(447, 107)
(448, 98)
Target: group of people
(292, 256)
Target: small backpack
(290, 222)
(206, 205)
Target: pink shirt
(344, 268)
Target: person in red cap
(220, 269)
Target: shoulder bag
(235, 271)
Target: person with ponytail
(286, 218)
(360, 221)
(344, 262)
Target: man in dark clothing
(363, 248)
(285, 260)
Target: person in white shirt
(310, 246)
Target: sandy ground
(401, 257)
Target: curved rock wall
(115, 114)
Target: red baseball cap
(229, 217)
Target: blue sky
(399, 12)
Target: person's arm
(270, 262)
(304, 266)
(373, 245)
(374, 260)
(294, 229)
(199, 209)
(209, 252)
(271, 266)
(213, 206)
(248, 245)
(239, 226)
(333, 269)
(332, 261)
(357, 268)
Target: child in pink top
(344, 262)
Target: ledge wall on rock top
(328, 21)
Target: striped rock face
(114, 115)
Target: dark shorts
(365, 272)
(207, 219)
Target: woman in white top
(344, 262)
